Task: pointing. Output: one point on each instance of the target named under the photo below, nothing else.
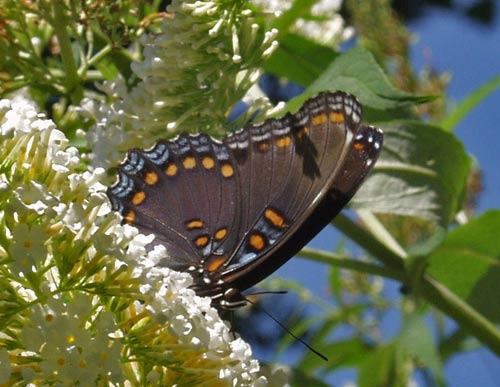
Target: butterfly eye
(233, 299)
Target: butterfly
(232, 211)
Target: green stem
(368, 242)
(120, 58)
(345, 262)
(96, 58)
(72, 79)
(464, 108)
(448, 302)
(429, 289)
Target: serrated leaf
(421, 172)
(358, 73)
(468, 263)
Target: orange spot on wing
(151, 178)
(263, 146)
(274, 218)
(227, 170)
(337, 117)
(138, 198)
(257, 242)
(358, 146)
(318, 119)
(129, 217)
(302, 132)
(189, 162)
(283, 141)
(171, 169)
(201, 241)
(220, 233)
(215, 262)
(196, 223)
(208, 162)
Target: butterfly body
(231, 212)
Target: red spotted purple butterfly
(231, 212)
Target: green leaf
(379, 369)
(389, 365)
(358, 73)
(300, 379)
(279, 375)
(344, 353)
(288, 18)
(335, 281)
(421, 172)
(107, 68)
(416, 340)
(468, 263)
(474, 99)
(299, 59)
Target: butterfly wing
(310, 203)
(231, 212)
(178, 192)
(285, 167)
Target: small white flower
(324, 24)
(42, 124)
(70, 350)
(34, 197)
(27, 248)
(64, 161)
(220, 56)
(19, 118)
(96, 304)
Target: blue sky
(471, 54)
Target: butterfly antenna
(284, 327)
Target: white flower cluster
(196, 323)
(204, 61)
(49, 215)
(324, 24)
(74, 342)
(72, 278)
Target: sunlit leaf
(468, 263)
(421, 172)
(416, 339)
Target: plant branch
(429, 289)
(72, 79)
(456, 308)
(366, 240)
(346, 262)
